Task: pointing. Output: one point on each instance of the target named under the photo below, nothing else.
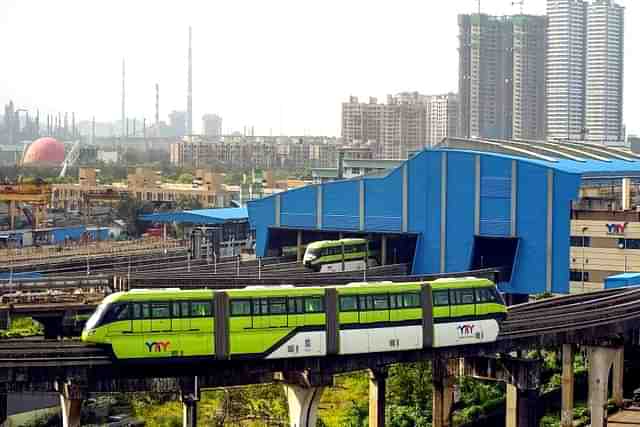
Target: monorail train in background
(286, 322)
(340, 255)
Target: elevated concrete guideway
(76, 369)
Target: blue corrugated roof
(199, 216)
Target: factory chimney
(124, 125)
(157, 104)
(190, 92)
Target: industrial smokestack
(124, 125)
(190, 92)
(157, 104)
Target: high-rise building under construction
(501, 76)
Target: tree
(185, 178)
(129, 210)
(184, 203)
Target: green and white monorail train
(339, 255)
(285, 322)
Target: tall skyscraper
(501, 76)
(485, 76)
(605, 69)
(585, 70)
(566, 68)
(190, 91)
(529, 41)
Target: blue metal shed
(199, 216)
(622, 280)
(465, 208)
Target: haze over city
(283, 67)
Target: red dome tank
(45, 151)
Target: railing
(95, 248)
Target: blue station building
(465, 205)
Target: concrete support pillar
(299, 246)
(443, 381)
(71, 396)
(303, 404)
(522, 407)
(3, 408)
(189, 412)
(383, 251)
(377, 396)
(12, 214)
(617, 377)
(626, 194)
(600, 361)
(189, 395)
(566, 418)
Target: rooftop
(199, 216)
(587, 159)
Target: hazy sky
(278, 64)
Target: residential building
(485, 76)
(585, 70)
(442, 119)
(529, 40)
(408, 122)
(246, 152)
(566, 68)
(212, 125)
(361, 122)
(404, 125)
(353, 168)
(604, 72)
(501, 76)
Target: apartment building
(256, 152)
(566, 67)
(585, 70)
(485, 76)
(529, 39)
(408, 122)
(442, 120)
(501, 76)
(605, 71)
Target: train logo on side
(467, 330)
(158, 346)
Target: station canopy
(199, 216)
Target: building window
(629, 243)
(581, 241)
(578, 276)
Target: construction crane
(70, 159)
(37, 194)
(108, 195)
(518, 3)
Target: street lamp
(623, 245)
(584, 230)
